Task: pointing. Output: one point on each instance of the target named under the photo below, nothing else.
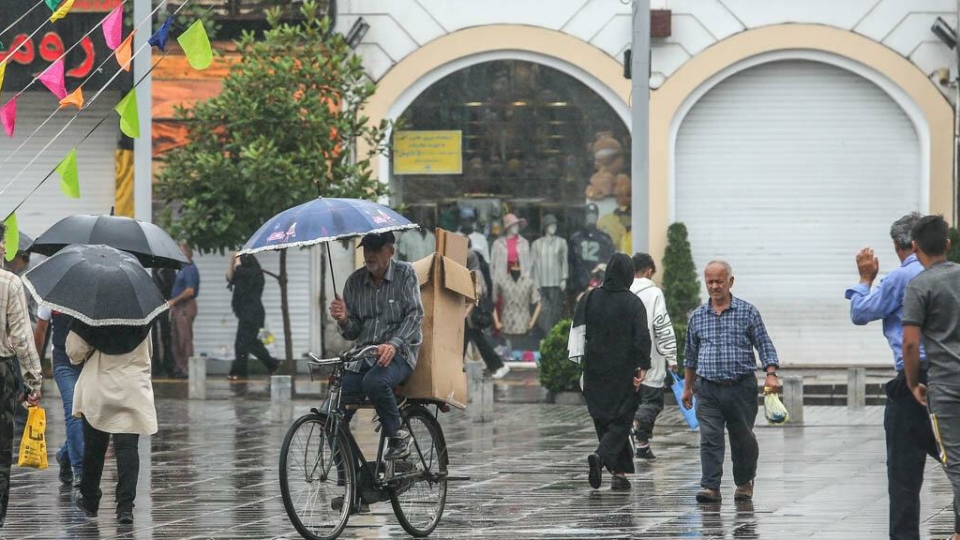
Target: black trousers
(480, 341)
(732, 407)
(248, 342)
(910, 440)
(162, 346)
(651, 405)
(614, 448)
(9, 389)
(125, 446)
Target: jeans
(377, 384)
(125, 446)
(909, 441)
(66, 376)
(651, 405)
(733, 407)
(944, 403)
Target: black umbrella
(25, 243)
(150, 244)
(99, 285)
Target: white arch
(909, 107)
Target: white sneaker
(501, 373)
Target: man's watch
(774, 373)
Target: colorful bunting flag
(159, 39)
(8, 115)
(113, 28)
(52, 4)
(75, 98)
(69, 176)
(52, 78)
(124, 52)
(129, 116)
(61, 11)
(12, 236)
(196, 46)
(3, 71)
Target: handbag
(481, 317)
(33, 445)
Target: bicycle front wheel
(316, 478)
(419, 502)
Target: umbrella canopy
(325, 220)
(99, 285)
(150, 244)
(25, 243)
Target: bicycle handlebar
(348, 356)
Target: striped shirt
(720, 347)
(16, 334)
(550, 262)
(388, 313)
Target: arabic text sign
(428, 152)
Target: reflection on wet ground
(211, 472)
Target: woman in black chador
(616, 357)
(245, 278)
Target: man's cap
(377, 241)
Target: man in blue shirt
(910, 438)
(720, 368)
(183, 311)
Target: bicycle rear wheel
(316, 471)
(419, 503)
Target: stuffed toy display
(608, 161)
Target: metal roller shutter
(786, 170)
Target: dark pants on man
(910, 440)
(125, 447)
(651, 405)
(8, 403)
(377, 383)
(162, 346)
(248, 342)
(480, 341)
(944, 402)
(731, 405)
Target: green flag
(129, 117)
(53, 4)
(12, 236)
(69, 177)
(196, 46)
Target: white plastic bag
(773, 408)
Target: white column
(640, 149)
(143, 147)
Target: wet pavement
(211, 472)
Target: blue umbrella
(325, 220)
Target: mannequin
(588, 248)
(510, 249)
(468, 228)
(517, 293)
(550, 272)
(415, 245)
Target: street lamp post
(640, 126)
(143, 146)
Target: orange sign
(95, 5)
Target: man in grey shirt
(381, 306)
(931, 308)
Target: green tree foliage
(680, 284)
(280, 133)
(557, 372)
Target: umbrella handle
(333, 276)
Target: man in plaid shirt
(720, 364)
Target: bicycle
(322, 467)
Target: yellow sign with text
(428, 152)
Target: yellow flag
(129, 116)
(196, 46)
(75, 98)
(12, 236)
(69, 176)
(61, 11)
(3, 71)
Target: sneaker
(500, 373)
(66, 472)
(596, 470)
(336, 504)
(125, 517)
(81, 506)
(744, 492)
(644, 452)
(619, 483)
(707, 495)
(399, 447)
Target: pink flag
(8, 114)
(113, 28)
(52, 78)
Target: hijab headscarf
(619, 275)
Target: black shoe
(337, 504)
(274, 367)
(66, 472)
(399, 447)
(645, 452)
(596, 470)
(76, 481)
(125, 517)
(81, 506)
(619, 483)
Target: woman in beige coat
(114, 396)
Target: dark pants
(910, 440)
(8, 404)
(944, 403)
(734, 407)
(614, 447)
(248, 342)
(125, 447)
(489, 355)
(162, 346)
(377, 383)
(651, 405)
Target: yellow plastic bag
(33, 446)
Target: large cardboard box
(445, 287)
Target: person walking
(663, 354)
(931, 310)
(615, 362)
(245, 278)
(479, 317)
(16, 348)
(114, 397)
(719, 367)
(183, 311)
(909, 437)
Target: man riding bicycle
(381, 306)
